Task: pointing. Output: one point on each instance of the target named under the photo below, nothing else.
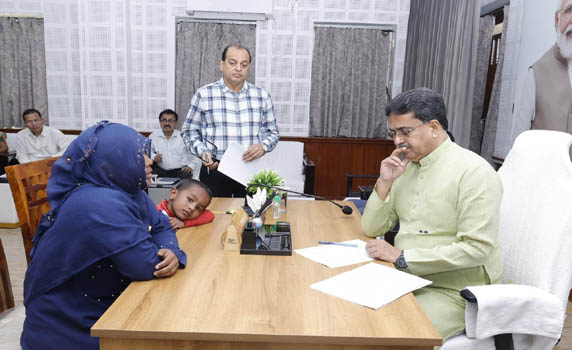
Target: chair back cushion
(535, 230)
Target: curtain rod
(23, 15)
(361, 25)
(180, 19)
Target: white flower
(255, 202)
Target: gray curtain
(349, 76)
(441, 54)
(22, 69)
(199, 52)
(489, 136)
(486, 26)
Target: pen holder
(231, 238)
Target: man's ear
(172, 193)
(221, 65)
(435, 126)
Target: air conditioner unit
(230, 9)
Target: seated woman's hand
(169, 264)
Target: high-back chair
(6, 295)
(28, 184)
(535, 236)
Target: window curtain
(349, 77)
(22, 69)
(199, 47)
(441, 54)
(489, 136)
(486, 26)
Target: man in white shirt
(545, 98)
(168, 151)
(38, 141)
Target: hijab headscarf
(97, 204)
(106, 155)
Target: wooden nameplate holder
(231, 238)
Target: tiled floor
(11, 322)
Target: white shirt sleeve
(524, 106)
(21, 149)
(62, 142)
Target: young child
(187, 203)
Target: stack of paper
(336, 255)
(371, 285)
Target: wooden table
(224, 300)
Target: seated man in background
(168, 151)
(447, 202)
(38, 141)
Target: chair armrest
(511, 308)
(468, 296)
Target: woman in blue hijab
(102, 232)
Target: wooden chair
(28, 184)
(6, 296)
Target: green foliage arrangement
(265, 177)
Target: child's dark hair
(188, 183)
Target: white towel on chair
(533, 313)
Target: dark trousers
(221, 185)
(4, 163)
(171, 173)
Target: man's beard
(565, 43)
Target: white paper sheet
(337, 255)
(371, 285)
(232, 165)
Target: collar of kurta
(437, 153)
(225, 88)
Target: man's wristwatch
(400, 262)
(264, 148)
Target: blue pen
(339, 243)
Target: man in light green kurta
(446, 200)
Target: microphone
(345, 209)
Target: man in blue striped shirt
(226, 111)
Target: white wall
(114, 59)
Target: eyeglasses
(168, 121)
(402, 132)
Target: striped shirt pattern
(222, 116)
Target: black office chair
(363, 190)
